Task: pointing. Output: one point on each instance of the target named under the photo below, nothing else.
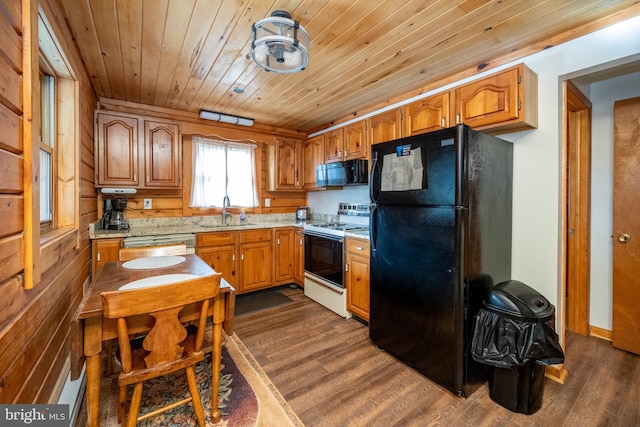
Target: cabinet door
(256, 260)
(116, 151)
(385, 126)
(358, 278)
(427, 115)
(286, 174)
(102, 252)
(222, 260)
(333, 146)
(284, 255)
(312, 156)
(490, 100)
(163, 156)
(355, 141)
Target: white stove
(333, 228)
(324, 264)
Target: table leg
(216, 354)
(93, 390)
(92, 350)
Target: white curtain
(223, 168)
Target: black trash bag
(504, 342)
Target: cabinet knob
(624, 238)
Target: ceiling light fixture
(225, 118)
(279, 44)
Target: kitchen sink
(228, 225)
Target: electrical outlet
(147, 204)
(267, 203)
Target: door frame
(576, 215)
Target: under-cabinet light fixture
(225, 118)
(118, 191)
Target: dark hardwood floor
(332, 375)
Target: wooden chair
(168, 346)
(126, 254)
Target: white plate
(147, 263)
(157, 281)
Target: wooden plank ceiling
(192, 54)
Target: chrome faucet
(225, 204)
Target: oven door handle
(324, 236)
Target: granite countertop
(187, 225)
(202, 224)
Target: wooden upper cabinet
(312, 156)
(503, 102)
(135, 151)
(385, 126)
(334, 145)
(284, 165)
(355, 141)
(427, 115)
(163, 156)
(117, 150)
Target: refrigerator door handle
(372, 230)
(372, 172)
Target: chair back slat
(132, 302)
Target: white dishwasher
(161, 240)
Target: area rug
(247, 398)
(260, 300)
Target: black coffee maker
(113, 218)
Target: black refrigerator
(440, 240)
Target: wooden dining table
(93, 329)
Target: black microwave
(350, 172)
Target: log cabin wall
(35, 323)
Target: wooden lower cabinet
(102, 252)
(219, 251)
(255, 266)
(298, 258)
(283, 245)
(357, 277)
(244, 258)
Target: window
(48, 156)
(223, 168)
(59, 152)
